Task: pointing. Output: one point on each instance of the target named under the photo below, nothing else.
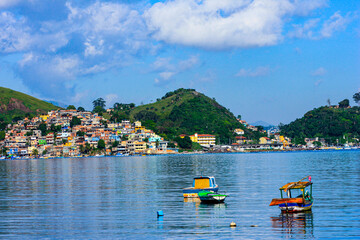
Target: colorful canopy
(295, 185)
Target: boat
(211, 197)
(200, 184)
(303, 200)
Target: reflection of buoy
(160, 213)
(254, 226)
(232, 224)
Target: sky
(266, 60)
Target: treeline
(332, 124)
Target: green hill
(16, 105)
(186, 111)
(326, 122)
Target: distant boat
(211, 197)
(302, 201)
(200, 184)
(346, 147)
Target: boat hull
(193, 192)
(296, 207)
(213, 199)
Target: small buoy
(160, 213)
(232, 224)
(254, 226)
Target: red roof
(240, 137)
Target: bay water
(118, 197)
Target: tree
(239, 117)
(35, 152)
(357, 98)
(184, 143)
(71, 107)
(43, 129)
(99, 103)
(328, 102)
(101, 144)
(81, 109)
(115, 144)
(171, 145)
(75, 121)
(98, 109)
(80, 134)
(344, 103)
(2, 135)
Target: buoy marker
(160, 213)
(232, 224)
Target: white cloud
(317, 29)
(223, 24)
(168, 70)
(258, 72)
(14, 34)
(319, 72)
(335, 23)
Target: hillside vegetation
(326, 122)
(17, 105)
(185, 111)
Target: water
(118, 197)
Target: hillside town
(73, 133)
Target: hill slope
(186, 111)
(15, 104)
(325, 122)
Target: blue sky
(269, 60)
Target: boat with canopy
(295, 196)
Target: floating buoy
(232, 224)
(160, 213)
(254, 226)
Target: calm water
(117, 198)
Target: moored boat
(200, 184)
(211, 197)
(302, 201)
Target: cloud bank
(91, 37)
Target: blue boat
(200, 184)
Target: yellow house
(264, 140)
(203, 139)
(44, 117)
(139, 146)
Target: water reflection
(294, 224)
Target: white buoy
(232, 224)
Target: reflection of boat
(211, 197)
(295, 224)
(199, 184)
(303, 200)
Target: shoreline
(191, 153)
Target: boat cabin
(199, 184)
(204, 182)
(296, 190)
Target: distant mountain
(62, 105)
(262, 123)
(186, 111)
(15, 104)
